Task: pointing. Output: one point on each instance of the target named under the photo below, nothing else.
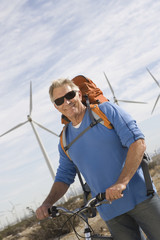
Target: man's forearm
(133, 160)
(57, 191)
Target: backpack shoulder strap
(147, 177)
(99, 114)
(84, 186)
(63, 140)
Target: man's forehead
(61, 90)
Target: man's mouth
(71, 105)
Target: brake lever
(96, 201)
(91, 202)
(103, 202)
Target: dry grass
(31, 229)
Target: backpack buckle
(150, 192)
(93, 123)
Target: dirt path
(96, 223)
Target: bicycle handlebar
(92, 203)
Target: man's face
(69, 108)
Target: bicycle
(83, 213)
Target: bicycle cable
(73, 224)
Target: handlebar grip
(101, 196)
(53, 211)
(49, 211)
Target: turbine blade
(153, 77)
(30, 107)
(109, 85)
(19, 125)
(155, 103)
(46, 128)
(132, 101)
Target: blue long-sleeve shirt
(100, 156)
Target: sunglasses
(70, 95)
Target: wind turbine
(32, 122)
(114, 97)
(158, 86)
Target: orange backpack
(89, 88)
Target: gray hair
(59, 83)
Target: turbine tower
(32, 122)
(158, 86)
(114, 97)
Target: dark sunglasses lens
(70, 95)
(59, 101)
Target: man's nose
(66, 101)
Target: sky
(43, 40)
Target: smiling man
(110, 161)
(67, 100)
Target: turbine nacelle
(29, 118)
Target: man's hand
(42, 211)
(115, 191)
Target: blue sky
(45, 40)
